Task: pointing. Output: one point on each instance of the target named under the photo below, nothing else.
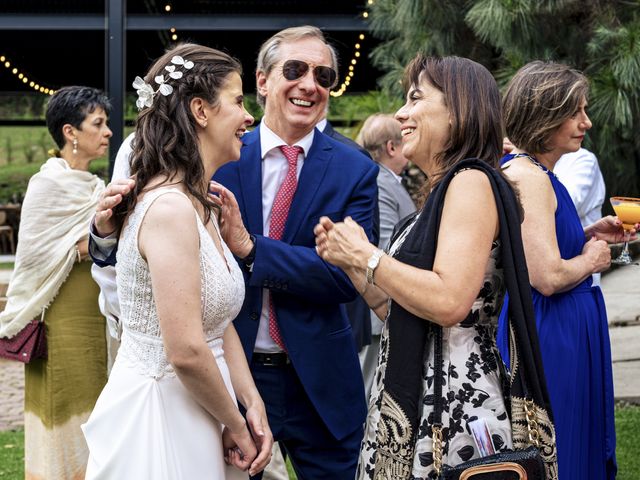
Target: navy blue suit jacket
(358, 311)
(307, 291)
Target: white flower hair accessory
(146, 91)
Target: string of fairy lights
(172, 31)
(24, 78)
(354, 59)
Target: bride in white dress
(169, 408)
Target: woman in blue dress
(545, 117)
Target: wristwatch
(372, 264)
(251, 257)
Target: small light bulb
(365, 14)
(357, 46)
(351, 67)
(167, 8)
(361, 37)
(2, 58)
(357, 54)
(31, 84)
(14, 71)
(173, 30)
(20, 76)
(174, 37)
(7, 64)
(25, 80)
(37, 87)
(353, 61)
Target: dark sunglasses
(294, 69)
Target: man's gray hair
(376, 131)
(268, 55)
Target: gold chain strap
(436, 431)
(532, 424)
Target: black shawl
(407, 338)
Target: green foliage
(21, 156)
(350, 111)
(600, 38)
(26, 105)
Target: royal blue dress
(576, 354)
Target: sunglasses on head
(294, 69)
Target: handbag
(524, 464)
(28, 344)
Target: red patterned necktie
(279, 213)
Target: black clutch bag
(514, 465)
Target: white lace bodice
(222, 293)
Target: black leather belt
(271, 359)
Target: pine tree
(599, 37)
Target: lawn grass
(627, 427)
(12, 455)
(628, 442)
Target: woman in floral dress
(446, 271)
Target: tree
(599, 37)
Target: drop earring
(75, 146)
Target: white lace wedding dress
(145, 424)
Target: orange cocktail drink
(628, 210)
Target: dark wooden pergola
(117, 20)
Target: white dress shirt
(274, 170)
(580, 173)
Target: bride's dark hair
(165, 138)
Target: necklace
(533, 159)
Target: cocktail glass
(628, 211)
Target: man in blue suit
(308, 373)
(307, 369)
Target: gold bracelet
(78, 254)
(364, 290)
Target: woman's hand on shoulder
(111, 196)
(232, 228)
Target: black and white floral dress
(474, 381)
